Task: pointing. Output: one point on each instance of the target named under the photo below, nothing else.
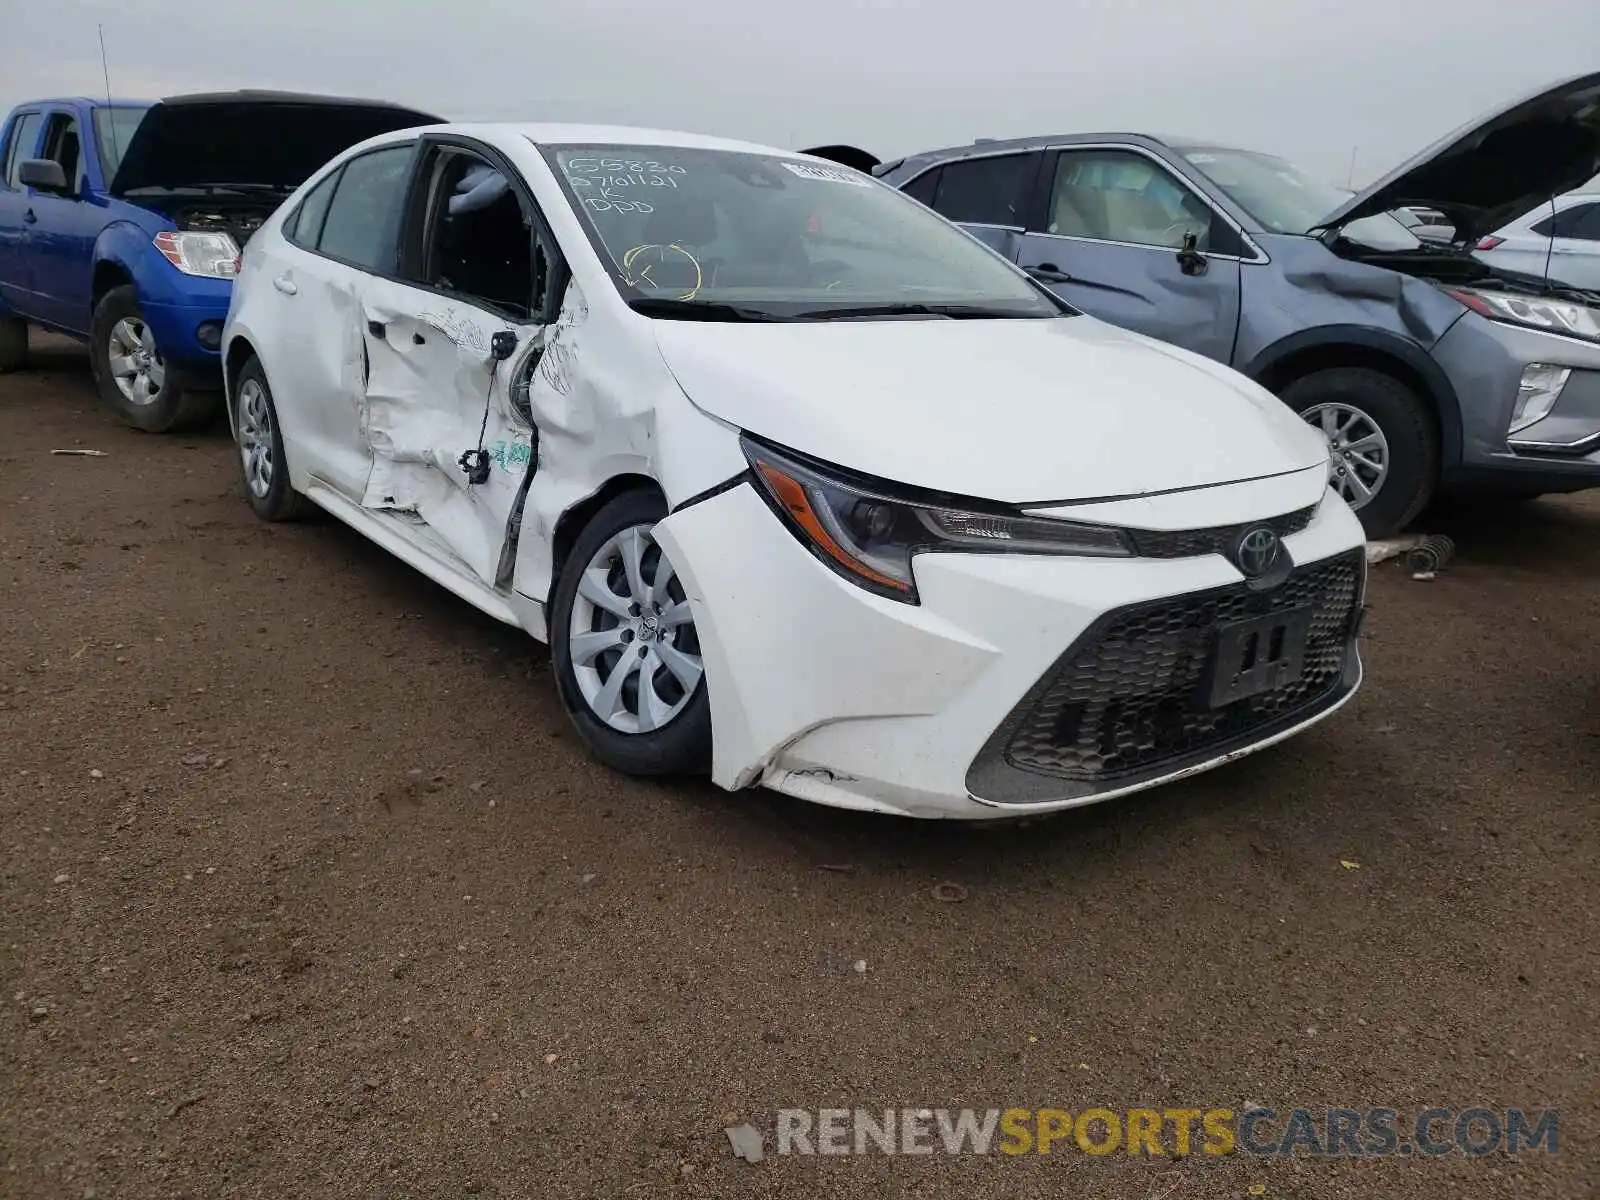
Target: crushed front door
(435, 397)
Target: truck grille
(1128, 697)
(1219, 539)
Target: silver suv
(1427, 369)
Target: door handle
(377, 329)
(29, 217)
(285, 285)
(1049, 273)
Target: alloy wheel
(1358, 453)
(136, 366)
(632, 640)
(255, 437)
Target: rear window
(986, 191)
(1575, 222)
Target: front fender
(132, 250)
(1441, 392)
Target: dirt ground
(306, 890)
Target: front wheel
(1382, 444)
(625, 649)
(133, 376)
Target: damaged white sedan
(804, 486)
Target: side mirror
(42, 174)
(1190, 260)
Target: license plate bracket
(1258, 655)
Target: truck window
(61, 143)
(113, 130)
(24, 137)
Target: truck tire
(13, 344)
(131, 374)
(1382, 442)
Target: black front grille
(1128, 698)
(1219, 539)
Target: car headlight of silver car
(1535, 312)
(869, 536)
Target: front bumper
(181, 332)
(823, 691)
(1484, 360)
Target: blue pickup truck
(122, 222)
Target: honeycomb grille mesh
(1129, 696)
(1219, 539)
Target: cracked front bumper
(826, 692)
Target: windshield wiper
(698, 310)
(912, 309)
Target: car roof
(985, 147)
(555, 134)
(1034, 142)
(89, 101)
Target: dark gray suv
(1427, 369)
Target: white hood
(1021, 411)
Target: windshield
(113, 129)
(1286, 199)
(734, 235)
(1276, 193)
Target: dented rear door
(341, 236)
(314, 360)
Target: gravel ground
(306, 890)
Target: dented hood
(1021, 411)
(258, 139)
(1499, 167)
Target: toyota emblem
(1257, 551)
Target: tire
(261, 458)
(1373, 401)
(13, 344)
(680, 741)
(150, 401)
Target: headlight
(869, 537)
(1537, 393)
(1536, 312)
(211, 254)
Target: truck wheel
(1381, 442)
(13, 344)
(131, 373)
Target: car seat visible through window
(485, 242)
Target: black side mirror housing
(42, 174)
(1190, 260)
(502, 345)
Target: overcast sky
(1311, 79)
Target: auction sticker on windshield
(826, 174)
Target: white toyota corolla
(804, 486)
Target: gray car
(1426, 368)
